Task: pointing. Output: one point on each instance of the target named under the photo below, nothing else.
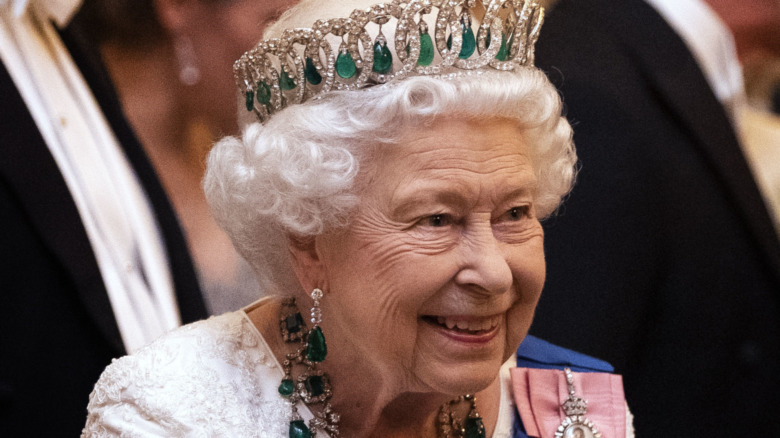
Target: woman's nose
(485, 267)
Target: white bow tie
(60, 11)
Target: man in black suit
(664, 260)
(57, 327)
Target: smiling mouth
(463, 325)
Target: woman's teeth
(470, 325)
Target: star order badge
(575, 425)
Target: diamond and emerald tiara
(303, 64)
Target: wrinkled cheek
(521, 315)
(519, 321)
(529, 281)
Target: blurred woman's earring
(316, 349)
(189, 74)
(452, 427)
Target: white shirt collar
(711, 43)
(60, 11)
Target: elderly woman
(389, 200)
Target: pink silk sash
(538, 394)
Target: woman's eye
(517, 213)
(438, 220)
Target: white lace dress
(213, 378)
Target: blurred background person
(759, 120)
(665, 260)
(172, 64)
(93, 263)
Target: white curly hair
(298, 174)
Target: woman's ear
(307, 262)
(174, 15)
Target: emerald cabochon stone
(317, 349)
(345, 65)
(474, 428)
(285, 81)
(293, 323)
(503, 52)
(426, 50)
(315, 385)
(298, 429)
(286, 388)
(263, 93)
(469, 43)
(250, 100)
(383, 59)
(310, 71)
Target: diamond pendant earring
(316, 349)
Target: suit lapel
(681, 85)
(32, 173)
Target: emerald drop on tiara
(503, 52)
(345, 65)
(426, 45)
(285, 81)
(383, 59)
(263, 93)
(312, 75)
(426, 50)
(469, 42)
(250, 100)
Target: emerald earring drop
(312, 386)
(298, 429)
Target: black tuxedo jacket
(663, 261)
(57, 329)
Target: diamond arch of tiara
(262, 71)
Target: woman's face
(435, 281)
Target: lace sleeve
(212, 378)
(118, 408)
